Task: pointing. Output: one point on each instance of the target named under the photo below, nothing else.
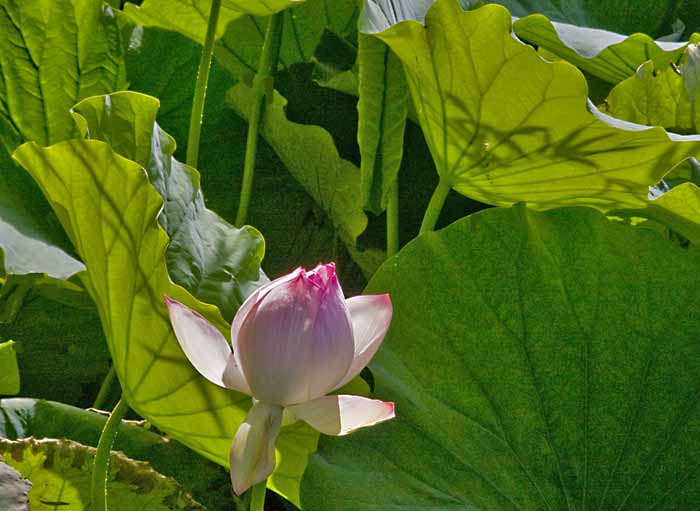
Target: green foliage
(109, 209)
(189, 17)
(309, 153)
(22, 418)
(60, 474)
(545, 363)
(653, 17)
(9, 372)
(607, 55)
(508, 127)
(216, 262)
(304, 27)
(383, 107)
(52, 54)
(61, 349)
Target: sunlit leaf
(656, 97)
(109, 208)
(607, 55)
(217, 262)
(60, 473)
(538, 361)
(505, 126)
(678, 209)
(9, 372)
(52, 54)
(383, 107)
(190, 17)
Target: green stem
(392, 220)
(261, 86)
(437, 201)
(100, 466)
(200, 91)
(105, 388)
(257, 498)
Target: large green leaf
(217, 262)
(312, 158)
(607, 55)
(190, 17)
(304, 25)
(9, 372)
(109, 208)
(538, 361)
(505, 126)
(60, 472)
(383, 107)
(52, 54)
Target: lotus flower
(294, 340)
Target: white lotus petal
(253, 447)
(371, 317)
(205, 347)
(340, 415)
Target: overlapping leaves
(190, 17)
(217, 262)
(505, 126)
(610, 56)
(569, 373)
(109, 209)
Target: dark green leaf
(310, 155)
(653, 17)
(217, 262)
(538, 361)
(304, 26)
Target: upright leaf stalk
(200, 91)
(437, 201)
(261, 87)
(257, 498)
(100, 466)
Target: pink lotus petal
(295, 343)
(253, 448)
(340, 415)
(205, 347)
(371, 317)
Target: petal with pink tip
(205, 347)
(371, 317)
(340, 415)
(253, 447)
(296, 342)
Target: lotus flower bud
(294, 340)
